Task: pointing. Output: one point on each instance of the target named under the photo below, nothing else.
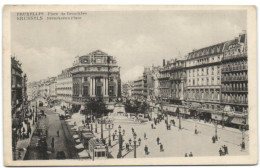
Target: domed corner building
(95, 76)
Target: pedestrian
(58, 133)
(220, 152)
(161, 148)
(146, 150)
(190, 155)
(152, 126)
(130, 141)
(213, 139)
(123, 132)
(30, 130)
(144, 136)
(139, 141)
(186, 155)
(133, 130)
(196, 131)
(52, 147)
(158, 140)
(243, 146)
(226, 150)
(52, 139)
(113, 136)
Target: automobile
(60, 155)
(42, 112)
(40, 104)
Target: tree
(96, 108)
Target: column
(94, 86)
(91, 86)
(107, 86)
(103, 86)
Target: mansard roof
(210, 50)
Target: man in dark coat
(158, 140)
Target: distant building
(64, 87)
(164, 82)
(138, 89)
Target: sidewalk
(23, 144)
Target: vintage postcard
(129, 85)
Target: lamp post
(36, 117)
(119, 155)
(243, 136)
(102, 126)
(179, 115)
(134, 135)
(33, 114)
(216, 128)
(109, 126)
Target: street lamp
(243, 136)
(102, 126)
(216, 128)
(109, 126)
(134, 135)
(33, 114)
(178, 112)
(119, 155)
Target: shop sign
(240, 121)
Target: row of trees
(135, 106)
(98, 108)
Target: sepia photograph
(129, 85)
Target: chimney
(163, 62)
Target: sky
(136, 38)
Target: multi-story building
(164, 82)
(178, 81)
(64, 87)
(95, 75)
(138, 89)
(18, 85)
(203, 69)
(52, 87)
(234, 97)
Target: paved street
(53, 124)
(176, 142)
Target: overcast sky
(137, 39)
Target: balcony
(160, 77)
(234, 102)
(235, 56)
(234, 69)
(234, 78)
(230, 89)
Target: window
(111, 90)
(218, 69)
(85, 79)
(85, 90)
(212, 107)
(207, 71)
(99, 68)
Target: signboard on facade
(218, 117)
